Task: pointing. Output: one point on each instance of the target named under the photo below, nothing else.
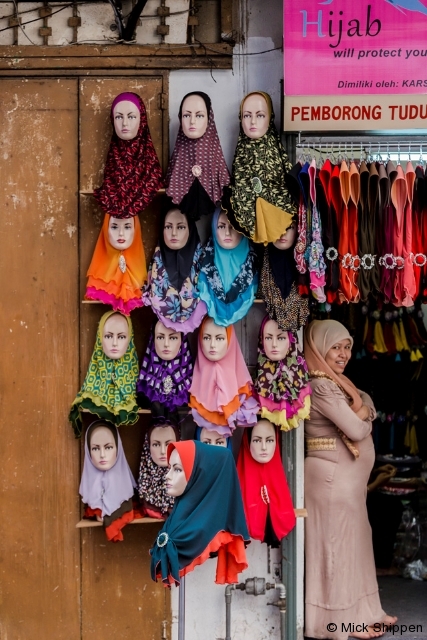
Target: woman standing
(342, 596)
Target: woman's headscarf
(228, 279)
(178, 262)
(115, 277)
(106, 490)
(265, 492)
(207, 518)
(166, 381)
(109, 387)
(198, 435)
(282, 387)
(319, 337)
(260, 200)
(132, 174)
(197, 165)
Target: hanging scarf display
(316, 262)
(228, 280)
(282, 388)
(109, 387)
(108, 494)
(260, 201)
(266, 496)
(115, 277)
(207, 519)
(132, 174)
(197, 171)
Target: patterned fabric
(109, 387)
(132, 174)
(259, 169)
(151, 481)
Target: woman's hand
(364, 412)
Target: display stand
(181, 610)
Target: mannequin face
(121, 232)
(115, 337)
(212, 437)
(176, 481)
(214, 341)
(175, 231)
(263, 441)
(255, 117)
(103, 448)
(159, 439)
(167, 342)
(126, 118)
(194, 117)
(338, 356)
(227, 236)
(275, 341)
(286, 240)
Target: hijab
(115, 277)
(265, 492)
(106, 490)
(178, 262)
(228, 279)
(192, 155)
(132, 174)
(319, 337)
(207, 518)
(109, 387)
(166, 381)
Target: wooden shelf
(90, 193)
(300, 513)
(139, 411)
(84, 524)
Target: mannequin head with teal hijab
(228, 279)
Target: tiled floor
(406, 599)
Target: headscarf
(282, 387)
(319, 337)
(198, 435)
(151, 481)
(115, 277)
(106, 490)
(260, 200)
(228, 279)
(166, 381)
(207, 518)
(192, 156)
(265, 492)
(132, 174)
(109, 387)
(178, 262)
(217, 386)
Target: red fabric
(114, 530)
(187, 453)
(132, 174)
(409, 283)
(399, 194)
(253, 477)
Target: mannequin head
(167, 342)
(287, 239)
(126, 119)
(263, 441)
(176, 482)
(160, 437)
(212, 437)
(194, 116)
(255, 116)
(121, 232)
(175, 229)
(275, 341)
(102, 448)
(214, 340)
(226, 235)
(115, 336)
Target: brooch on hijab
(257, 184)
(196, 171)
(122, 263)
(162, 539)
(167, 385)
(264, 495)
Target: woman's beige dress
(340, 583)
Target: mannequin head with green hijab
(255, 114)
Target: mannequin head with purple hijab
(126, 115)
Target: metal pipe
(282, 608)
(181, 610)
(228, 593)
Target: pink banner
(338, 47)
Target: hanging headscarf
(207, 518)
(166, 381)
(197, 171)
(171, 290)
(151, 481)
(132, 174)
(228, 280)
(109, 387)
(282, 387)
(221, 391)
(198, 435)
(115, 277)
(260, 200)
(265, 493)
